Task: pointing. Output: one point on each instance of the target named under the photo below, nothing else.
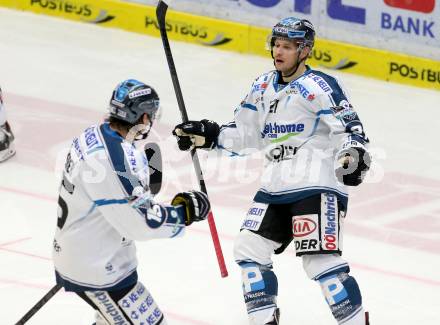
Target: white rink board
(57, 77)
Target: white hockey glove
(353, 164)
(196, 134)
(196, 205)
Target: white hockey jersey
(98, 218)
(300, 126)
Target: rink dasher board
(238, 37)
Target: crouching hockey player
(7, 149)
(105, 204)
(308, 129)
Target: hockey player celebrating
(105, 205)
(7, 149)
(314, 147)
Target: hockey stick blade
(161, 12)
(39, 304)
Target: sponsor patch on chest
(282, 131)
(303, 91)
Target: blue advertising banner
(406, 26)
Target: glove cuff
(212, 130)
(179, 200)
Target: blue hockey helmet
(131, 99)
(291, 28)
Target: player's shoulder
(319, 82)
(86, 145)
(91, 139)
(120, 149)
(263, 80)
(266, 76)
(316, 83)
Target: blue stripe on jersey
(332, 100)
(315, 126)
(319, 113)
(304, 188)
(337, 94)
(108, 202)
(113, 143)
(232, 153)
(275, 81)
(297, 195)
(250, 106)
(324, 111)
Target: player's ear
(306, 52)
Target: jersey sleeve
(243, 135)
(112, 196)
(335, 110)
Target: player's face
(285, 55)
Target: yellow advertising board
(237, 37)
(378, 64)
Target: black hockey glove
(196, 205)
(354, 164)
(196, 134)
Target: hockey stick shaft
(39, 304)
(161, 11)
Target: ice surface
(57, 77)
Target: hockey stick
(161, 12)
(39, 304)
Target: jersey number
(64, 211)
(273, 106)
(62, 204)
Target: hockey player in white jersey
(7, 148)
(314, 147)
(105, 205)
